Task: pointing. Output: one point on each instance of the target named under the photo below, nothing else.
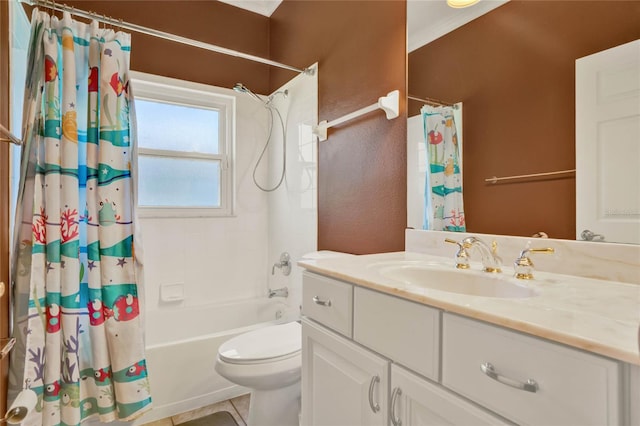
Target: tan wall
(513, 69)
(360, 47)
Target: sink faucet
(523, 266)
(491, 262)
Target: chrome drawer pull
(375, 407)
(530, 385)
(394, 396)
(317, 301)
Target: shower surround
(220, 267)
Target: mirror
(512, 65)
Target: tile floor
(238, 407)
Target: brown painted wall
(513, 69)
(208, 21)
(360, 47)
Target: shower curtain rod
(161, 34)
(432, 102)
(10, 137)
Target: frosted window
(173, 127)
(185, 134)
(173, 182)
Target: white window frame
(156, 88)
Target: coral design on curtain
(76, 306)
(444, 209)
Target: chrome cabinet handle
(394, 396)
(317, 301)
(530, 385)
(375, 407)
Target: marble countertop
(598, 316)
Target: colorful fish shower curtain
(444, 209)
(76, 297)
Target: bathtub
(181, 348)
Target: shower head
(241, 88)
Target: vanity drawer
(407, 332)
(328, 301)
(573, 387)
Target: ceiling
(426, 19)
(263, 7)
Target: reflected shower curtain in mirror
(76, 297)
(444, 209)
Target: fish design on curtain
(444, 209)
(77, 298)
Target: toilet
(267, 361)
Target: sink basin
(471, 283)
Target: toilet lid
(265, 343)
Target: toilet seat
(268, 344)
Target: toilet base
(275, 407)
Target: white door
(416, 402)
(608, 145)
(339, 385)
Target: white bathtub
(182, 345)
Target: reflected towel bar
(433, 102)
(494, 179)
(389, 104)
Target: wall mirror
(513, 66)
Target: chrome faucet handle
(523, 266)
(462, 255)
(284, 264)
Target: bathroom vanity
(379, 349)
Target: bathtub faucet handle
(284, 264)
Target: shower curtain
(76, 299)
(444, 209)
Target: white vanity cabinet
(370, 358)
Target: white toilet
(268, 361)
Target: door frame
(4, 197)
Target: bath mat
(221, 418)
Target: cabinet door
(417, 402)
(342, 383)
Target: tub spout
(279, 292)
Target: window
(185, 148)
